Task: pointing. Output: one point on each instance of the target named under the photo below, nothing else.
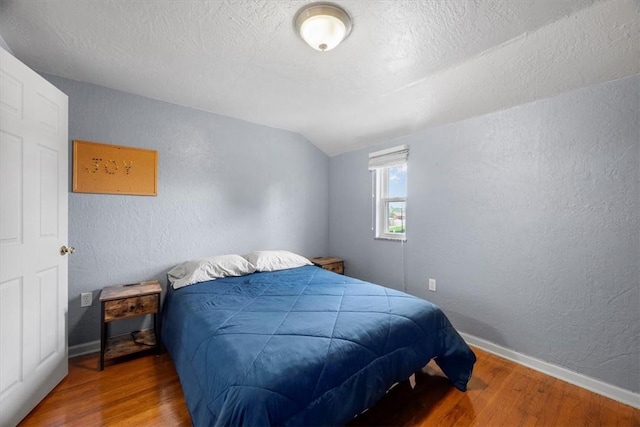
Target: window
(390, 194)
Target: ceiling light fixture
(322, 25)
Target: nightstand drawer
(130, 307)
(337, 267)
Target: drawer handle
(132, 308)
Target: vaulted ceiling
(407, 65)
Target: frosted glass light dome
(323, 26)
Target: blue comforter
(302, 346)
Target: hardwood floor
(145, 391)
(142, 391)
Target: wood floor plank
(145, 391)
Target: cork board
(113, 169)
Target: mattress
(302, 346)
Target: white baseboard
(613, 392)
(86, 348)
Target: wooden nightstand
(330, 263)
(123, 302)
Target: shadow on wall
(470, 325)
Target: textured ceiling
(406, 66)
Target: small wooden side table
(123, 302)
(330, 263)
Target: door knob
(67, 250)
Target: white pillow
(275, 260)
(215, 267)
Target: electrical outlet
(86, 299)
(432, 285)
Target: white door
(33, 226)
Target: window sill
(391, 239)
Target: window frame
(382, 201)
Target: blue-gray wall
(225, 186)
(529, 221)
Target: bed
(301, 346)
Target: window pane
(396, 217)
(397, 181)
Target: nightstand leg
(156, 326)
(103, 337)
